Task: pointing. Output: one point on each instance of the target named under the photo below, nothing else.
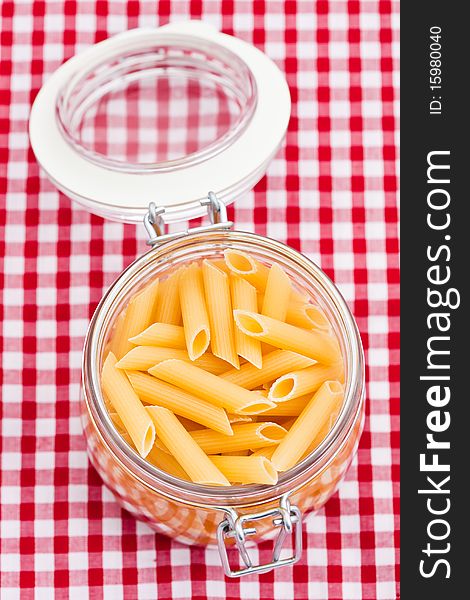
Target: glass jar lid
(160, 115)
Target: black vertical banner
(435, 356)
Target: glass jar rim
(99, 79)
(203, 495)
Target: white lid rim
(132, 214)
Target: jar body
(187, 512)
(191, 524)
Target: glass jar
(117, 181)
(198, 514)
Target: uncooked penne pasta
(262, 398)
(244, 296)
(137, 317)
(168, 304)
(277, 294)
(157, 392)
(307, 426)
(166, 462)
(275, 364)
(289, 408)
(307, 316)
(182, 446)
(245, 436)
(302, 382)
(267, 452)
(141, 358)
(161, 334)
(241, 263)
(321, 435)
(219, 307)
(210, 387)
(128, 406)
(117, 344)
(254, 271)
(314, 344)
(246, 469)
(194, 311)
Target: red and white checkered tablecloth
(331, 193)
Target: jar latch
(286, 516)
(154, 222)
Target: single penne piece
(289, 408)
(314, 344)
(210, 363)
(161, 334)
(277, 294)
(245, 436)
(166, 462)
(308, 424)
(168, 305)
(211, 387)
(244, 265)
(182, 446)
(141, 358)
(254, 271)
(126, 403)
(284, 422)
(321, 435)
(301, 382)
(246, 469)
(307, 316)
(219, 308)
(275, 364)
(267, 452)
(157, 392)
(244, 296)
(256, 274)
(194, 311)
(137, 317)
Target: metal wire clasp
(288, 518)
(155, 225)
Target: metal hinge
(155, 224)
(288, 518)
